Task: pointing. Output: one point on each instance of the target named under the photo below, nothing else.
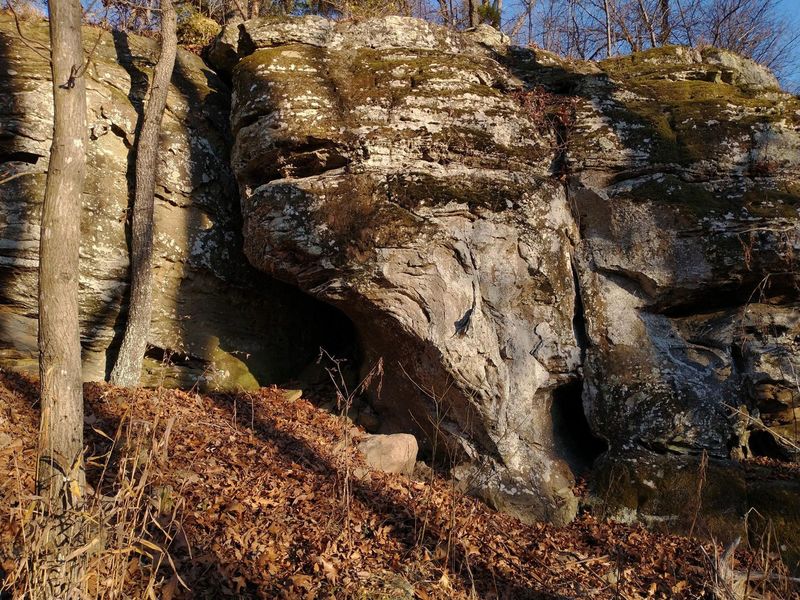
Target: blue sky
(791, 8)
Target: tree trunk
(688, 29)
(128, 368)
(648, 24)
(60, 475)
(607, 10)
(666, 28)
(472, 13)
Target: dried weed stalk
(128, 523)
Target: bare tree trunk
(687, 28)
(60, 475)
(648, 23)
(128, 368)
(666, 28)
(61, 432)
(607, 9)
(472, 13)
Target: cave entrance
(573, 439)
(327, 358)
(328, 341)
(762, 443)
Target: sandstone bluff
(567, 268)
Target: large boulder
(516, 235)
(215, 319)
(384, 169)
(687, 191)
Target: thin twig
(764, 427)
(15, 175)
(28, 42)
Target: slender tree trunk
(128, 368)
(648, 23)
(686, 27)
(60, 475)
(666, 28)
(607, 9)
(472, 13)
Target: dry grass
(123, 529)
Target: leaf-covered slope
(269, 507)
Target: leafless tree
(753, 28)
(60, 474)
(593, 28)
(609, 16)
(128, 367)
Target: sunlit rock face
(222, 322)
(565, 269)
(553, 259)
(385, 169)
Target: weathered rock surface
(506, 229)
(394, 453)
(688, 274)
(384, 170)
(554, 260)
(223, 321)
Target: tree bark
(607, 10)
(472, 13)
(128, 367)
(60, 475)
(648, 24)
(666, 27)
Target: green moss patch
(680, 120)
(693, 198)
(412, 190)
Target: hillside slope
(257, 495)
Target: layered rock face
(508, 231)
(383, 169)
(221, 321)
(561, 269)
(686, 192)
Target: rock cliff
(568, 269)
(209, 302)
(525, 240)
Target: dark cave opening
(763, 444)
(330, 357)
(334, 341)
(573, 439)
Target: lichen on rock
(603, 238)
(209, 325)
